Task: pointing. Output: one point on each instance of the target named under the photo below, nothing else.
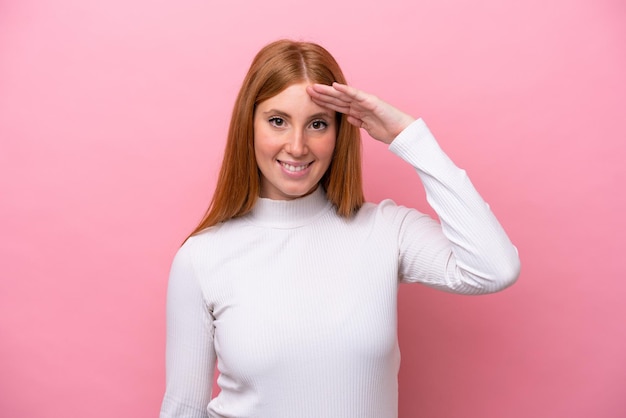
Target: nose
(297, 143)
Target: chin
(298, 194)
(289, 193)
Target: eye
(277, 121)
(319, 124)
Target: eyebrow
(288, 116)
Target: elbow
(507, 275)
(494, 276)
(498, 279)
(512, 274)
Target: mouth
(294, 167)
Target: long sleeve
(469, 252)
(190, 356)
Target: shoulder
(200, 244)
(387, 218)
(387, 211)
(208, 249)
(199, 240)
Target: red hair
(276, 67)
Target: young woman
(290, 281)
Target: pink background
(113, 116)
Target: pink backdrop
(112, 121)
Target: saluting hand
(382, 121)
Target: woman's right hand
(381, 120)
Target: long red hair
(276, 67)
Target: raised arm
(469, 252)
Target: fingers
(332, 106)
(331, 98)
(323, 98)
(381, 120)
(340, 98)
(356, 122)
(338, 92)
(351, 92)
(326, 96)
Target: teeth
(294, 168)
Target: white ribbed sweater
(298, 305)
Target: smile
(295, 168)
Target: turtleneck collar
(287, 214)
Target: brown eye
(318, 125)
(277, 122)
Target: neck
(290, 213)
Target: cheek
(324, 145)
(262, 143)
(329, 146)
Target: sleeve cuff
(417, 146)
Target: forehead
(294, 100)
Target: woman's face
(294, 140)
